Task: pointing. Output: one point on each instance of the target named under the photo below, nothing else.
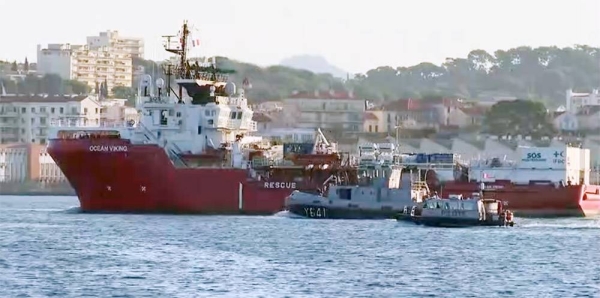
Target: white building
(25, 119)
(91, 66)
(111, 39)
(326, 110)
(575, 101)
(104, 58)
(57, 59)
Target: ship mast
(181, 51)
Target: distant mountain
(316, 64)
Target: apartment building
(104, 58)
(111, 39)
(335, 111)
(25, 119)
(113, 66)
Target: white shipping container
(543, 157)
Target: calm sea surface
(48, 248)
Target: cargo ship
(193, 150)
(542, 182)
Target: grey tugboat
(384, 189)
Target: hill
(316, 64)
(542, 73)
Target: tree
(518, 117)
(125, 92)
(105, 89)
(50, 84)
(14, 66)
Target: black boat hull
(451, 222)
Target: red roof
(323, 95)
(371, 116)
(49, 99)
(261, 118)
(403, 105)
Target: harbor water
(49, 249)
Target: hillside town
(92, 73)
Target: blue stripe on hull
(321, 212)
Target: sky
(353, 35)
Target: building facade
(28, 162)
(336, 111)
(107, 57)
(111, 39)
(25, 119)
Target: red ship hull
(143, 179)
(536, 200)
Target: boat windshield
(451, 205)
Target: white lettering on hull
(284, 185)
(98, 148)
(315, 212)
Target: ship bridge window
(163, 117)
(239, 115)
(233, 115)
(345, 193)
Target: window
(178, 114)
(84, 111)
(199, 130)
(23, 110)
(370, 128)
(96, 110)
(62, 110)
(233, 115)
(239, 115)
(376, 128)
(52, 110)
(33, 110)
(43, 110)
(42, 120)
